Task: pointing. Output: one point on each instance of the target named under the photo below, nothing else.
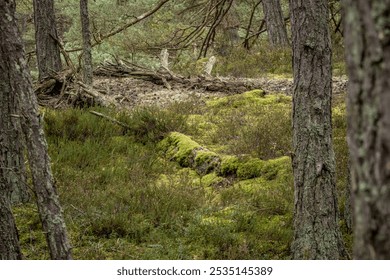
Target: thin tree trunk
(277, 34)
(47, 199)
(316, 229)
(367, 38)
(47, 50)
(348, 201)
(87, 48)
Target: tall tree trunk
(18, 83)
(276, 28)
(87, 49)
(16, 171)
(47, 50)
(367, 38)
(316, 230)
(10, 163)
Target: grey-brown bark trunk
(21, 91)
(367, 38)
(316, 229)
(10, 163)
(11, 130)
(276, 28)
(87, 49)
(47, 50)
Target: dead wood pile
(66, 89)
(170, 80)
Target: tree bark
(15, 171)
(87, 47)
(367, 38)
(21, 92)
(10, 156)
(277, 33)
(47, 50)
(316, 230)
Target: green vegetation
(203, 182)
(137, 44)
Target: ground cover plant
(148, 191)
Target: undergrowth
(123, 199)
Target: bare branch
(124, 27)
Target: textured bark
(9, 240)
(316, 231)
(10, 127)
(9, 161)
(47, 50)
(15, 171)
(367, 37)
(277, 34)
(348, 202)
(39, 162)
(87, 47)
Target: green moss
(273, 167)
(31, 236)
(250, 169)
(212, 180)
(256, 93)
(188, 153)
(229, 165)
(206, 161)
(180, 148)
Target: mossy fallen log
(188, 153)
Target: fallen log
(171, 80)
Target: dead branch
(172, 80)
(124, 27)
(110, 119)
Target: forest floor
(192, 174)
(132, 92)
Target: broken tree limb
(110, 119)
(98, 97)
(209, 66)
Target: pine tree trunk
(277, 34)
(367, 38)
(47, 50)
(20, 89)
(15, 171)
(316, 229)
(87, 49)
(10, 163)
